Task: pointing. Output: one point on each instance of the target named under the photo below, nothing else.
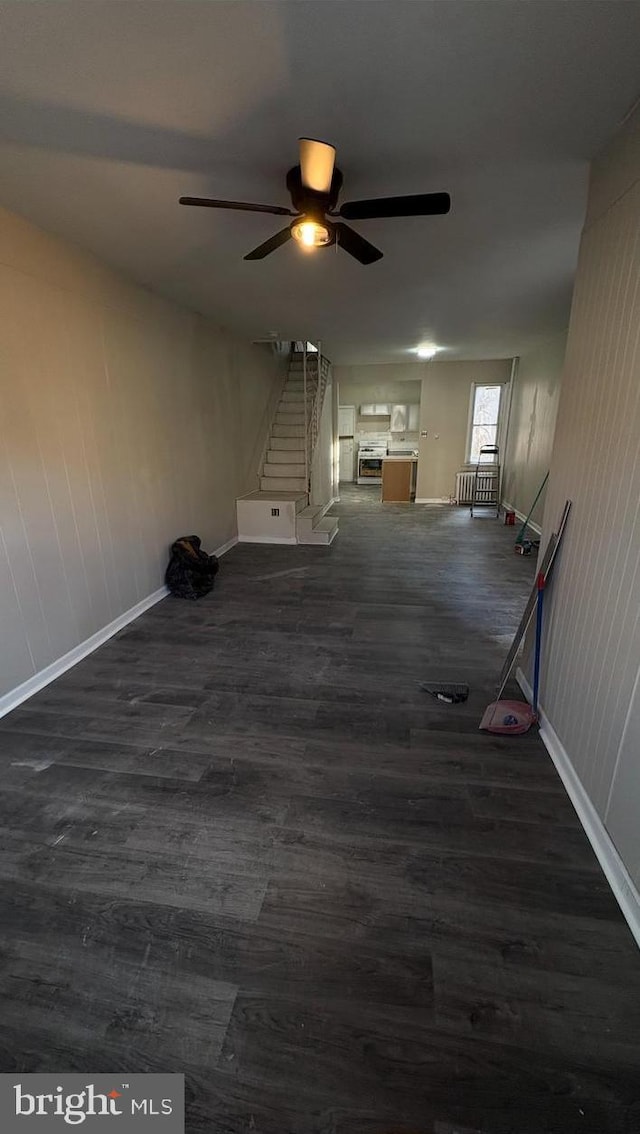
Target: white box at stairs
(269, 517)
(283, 517)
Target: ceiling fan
(314, 186)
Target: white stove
(370, 454)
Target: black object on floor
(451, 694)
(191, 572)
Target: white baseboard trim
(431, 500)
(45, 676)
(267, 539)
(616, 873)
(521, 516)
(219, 551)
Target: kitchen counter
(399, 478)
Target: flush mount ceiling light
(311, 233)
(427, 350)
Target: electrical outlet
(275, 511)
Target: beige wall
(398, 384)
(532, 421)
(125, 422)
(591, 660)
(444, 414)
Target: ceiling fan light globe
(311, 234)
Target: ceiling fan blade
(356, 245)
(417, 205)
(270, 245)
(210, 203)
(317, 160)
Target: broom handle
(536, 665)
(525, 525)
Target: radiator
(464, 486)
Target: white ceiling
(110, 111)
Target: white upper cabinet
(399, 419)
(375, 409)
(405, 419)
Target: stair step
(295, 396)
(307, 518)
(285, 456)
(328, 524)
(294, 405)
(324, 532)
(286, 445)
(290, 483)
(287, 470)
(289, 419)
(286, 430)
(310, 512)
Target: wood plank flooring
(240, 842)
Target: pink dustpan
(508, 717)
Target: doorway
(346, 436)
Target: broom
(521, 534)
(518, 716)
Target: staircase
(285, 473)
(285, 466)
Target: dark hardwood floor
(240, 842)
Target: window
(483, 424)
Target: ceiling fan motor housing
(308, 201)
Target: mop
(520, 538)
(512, 716)
(516, 717)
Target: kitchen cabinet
(375, 409)
(405, 419)
(399, 479)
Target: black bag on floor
(191, 572)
